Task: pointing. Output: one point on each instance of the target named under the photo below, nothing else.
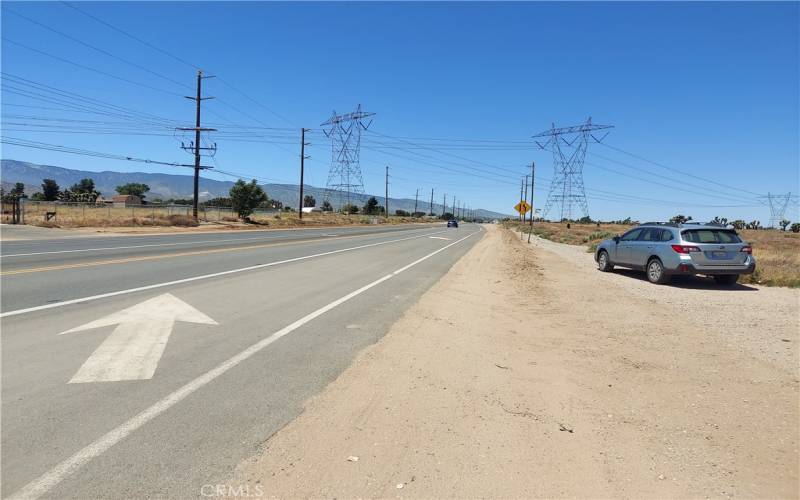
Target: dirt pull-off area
(526, 373)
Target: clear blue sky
(710, 89)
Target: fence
(11, 211)
(90, 214)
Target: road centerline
(125, 260)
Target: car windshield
(711, 236)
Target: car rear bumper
(712, 270)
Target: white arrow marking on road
(134, 348)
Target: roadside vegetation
(777, 251)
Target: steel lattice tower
(777, 206)
(566, 189)
(344, 176)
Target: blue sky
(709, 91)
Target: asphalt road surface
(152, 365)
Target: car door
(625, 246)
(644, 246)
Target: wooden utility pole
(533, 211)
(431, 210)
(525, 214)
(416, 199)
(302, 165)
(521, 187)
(444, 204)
(386, 196)
(197, 129)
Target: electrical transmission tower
(566, 189)
(777, 206)
(344, 176)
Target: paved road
(178, 361)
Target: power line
(98, 49)
(680, 171)
(14, 141)
(88, 68)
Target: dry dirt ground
(526, 373)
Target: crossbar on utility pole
(302, 165)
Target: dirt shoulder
(524, 373)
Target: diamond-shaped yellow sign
(522, 207)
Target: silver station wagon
(663, 249)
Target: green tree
(738, 224)
(326, 206)
(796, 227)
(371, 206)
(401, 213)
(37, 197)
(309, 201)
(349, 208)
(680, 219)
(245, 197)
(784, 223)
(134, 188)
(18, 190)
(50, 189)
(83, 186)
(446, 216)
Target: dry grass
(777, 252)
(90, 216)
(777, 256)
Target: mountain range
(166, 186)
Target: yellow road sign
(523, 207)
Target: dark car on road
(452, 223)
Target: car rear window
(711, 236)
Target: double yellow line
(178, 254)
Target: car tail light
(747, 249)
(685, 248)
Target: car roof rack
(671, 224)
(713, 224)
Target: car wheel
(726, 279)
(603, 262)
(655, 272)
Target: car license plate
(719, 255)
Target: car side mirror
(616, 239)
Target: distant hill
(167, 186)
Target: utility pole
(431, 210)
(197, 129)
(525, 215)
(444, 204)
(533, 211)
(416, 198)
(521, 187)
(387, 191)
(302, 165)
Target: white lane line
(201, 277)
(52, 478)
(438, 238)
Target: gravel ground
(526, 373)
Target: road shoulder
(514, 377)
